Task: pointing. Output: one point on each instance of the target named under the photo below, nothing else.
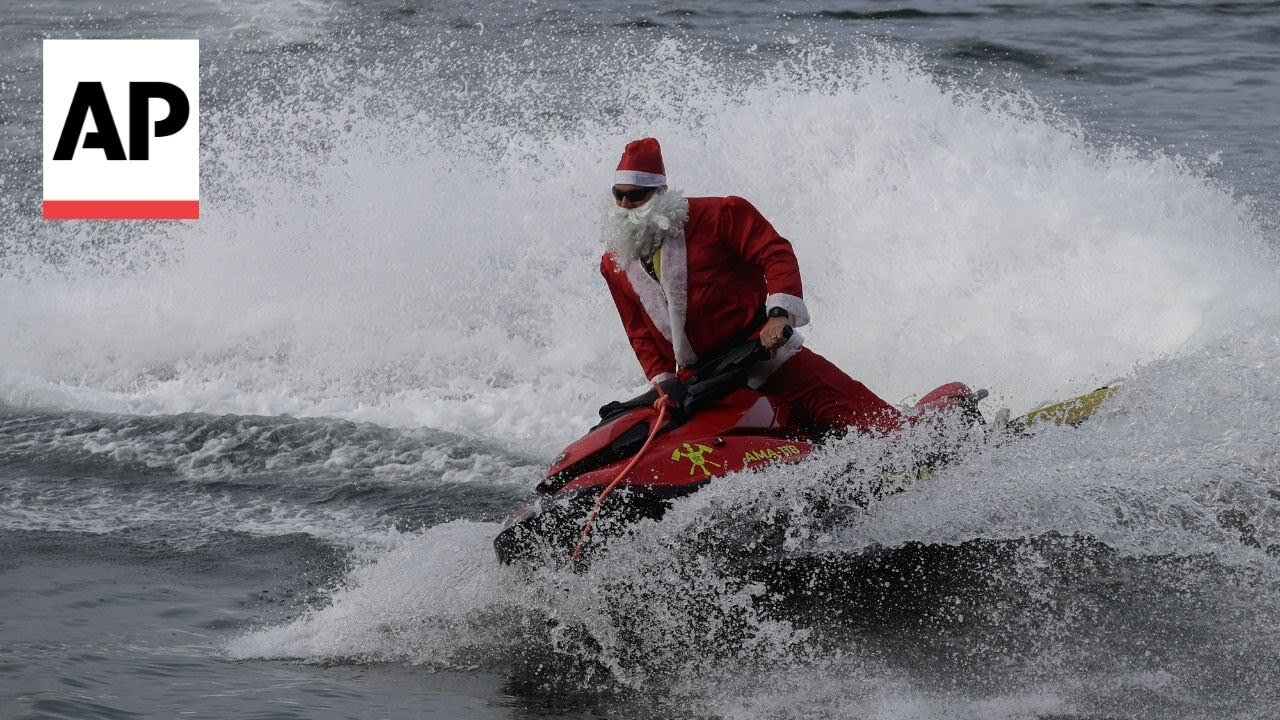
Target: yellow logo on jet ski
(697, 457)
(773, 453)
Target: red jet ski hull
(741, 431)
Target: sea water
(251, 466)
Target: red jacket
(717, 274)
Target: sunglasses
(632, 195)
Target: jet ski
(649, 450)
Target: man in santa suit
(690, 276)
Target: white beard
(632, 233)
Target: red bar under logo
(121, 209)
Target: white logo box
(166, 185)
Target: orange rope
(662, 403)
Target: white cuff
(794, 306)
(661, 378)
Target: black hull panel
(548, 531)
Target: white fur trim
(635, 177)
(794, 306)
(675, 280)
(651, 297)
(661, 378)
(761, 371)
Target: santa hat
(641, 164)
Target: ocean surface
(251, 466)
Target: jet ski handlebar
(712, 379)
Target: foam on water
(222, 448)
(1183, 443)
(439, 600)
(417, 603)
(181, 517)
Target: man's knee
(823, 396)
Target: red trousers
(823, 399)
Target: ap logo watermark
(121, 129)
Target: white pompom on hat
(641, 164)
